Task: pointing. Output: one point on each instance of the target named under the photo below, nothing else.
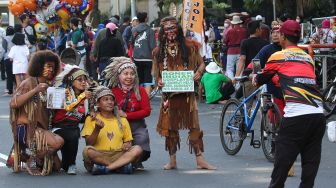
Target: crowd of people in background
(129, 57)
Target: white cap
(259, 17)
(134, 18)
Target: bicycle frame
(248, 121)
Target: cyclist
(263, 56)
(303, 124)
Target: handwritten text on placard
(178, 81)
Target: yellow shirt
(110, 136)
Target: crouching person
(108, 138)
(34, 144)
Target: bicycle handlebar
(310, 47)
(242, 78)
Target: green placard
(178, 81)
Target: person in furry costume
(178, 110)
(34, 143)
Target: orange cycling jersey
(295, 69)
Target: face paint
(171, 31)
(48, 70)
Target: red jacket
(136, 110)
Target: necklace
(172, 50)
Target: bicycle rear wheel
(232, 137)
(329, 102)
(270, 124)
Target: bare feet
(172, 163)
(291, 171)
(222, 102)
(169, 166)
(203, 164)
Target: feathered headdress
(98, 93)
(116, 66)
(68, 75)
(65, 80)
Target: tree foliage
(304, 8)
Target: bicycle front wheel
(270, 124)
(231, 127)
(154, 91)
(329, 95)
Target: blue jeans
(231, 65)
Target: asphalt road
(248, 168)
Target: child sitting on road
(108, 138)
(218, 87)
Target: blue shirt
(263, 55)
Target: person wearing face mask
(30, 117)
(77, 40)
(298, 19)
(132, 100)
(263, 56)
(227, 26)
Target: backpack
(31, 38)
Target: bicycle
(155, 90)
(329, 96)
(235, 122)
(331, 68)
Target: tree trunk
(299, 8)
(95, 14)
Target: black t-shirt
(250, 48)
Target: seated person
(218, 87)
(108, 137)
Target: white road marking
(4, 116)
(4, 157)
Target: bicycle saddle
(242, 78)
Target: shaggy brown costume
(34, 115)
(181, 111)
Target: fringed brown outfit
(181, 112)
(34, 117)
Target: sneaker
(7, 95)
(127, 169)
(99, 169)
(139, 166)
(72, 170)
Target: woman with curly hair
(30, 117)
